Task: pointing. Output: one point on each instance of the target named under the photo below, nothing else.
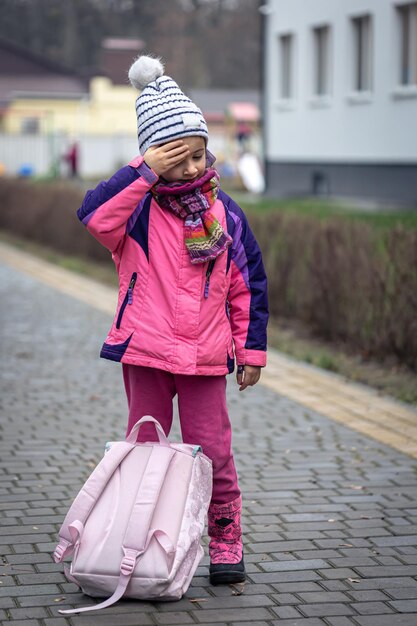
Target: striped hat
(163, 111)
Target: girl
(192, 291)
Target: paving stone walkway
(330, 514)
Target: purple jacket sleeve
(248, 296)
(105, 210)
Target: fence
(99, 155)
(43, 154)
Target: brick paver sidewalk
(330, 514)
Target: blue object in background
(226, 169)
(26, 170)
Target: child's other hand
(162, 158)
(248, 376)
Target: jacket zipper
(208, 276)
(128, 299)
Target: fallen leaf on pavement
(238, 589)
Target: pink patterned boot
(225, 548)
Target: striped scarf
(204, 237)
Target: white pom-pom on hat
(144, 71)
(160, 97)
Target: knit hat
(163, 111)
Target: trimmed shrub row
(347, 281)
(46, 213)
(344, 279)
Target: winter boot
(225, 548)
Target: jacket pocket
(128, 299)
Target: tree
(205, 43)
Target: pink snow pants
(203, 415)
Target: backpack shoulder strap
(136, 536)
(87, 497)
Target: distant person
(71, 157)
(243, 136)
(193, 293)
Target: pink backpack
(135, 527)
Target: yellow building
(37, 96)
(110, 108)
(106, 109)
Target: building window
(321, 59)
(29, 125)
(286, 56)
(407, 17)
(362, 53)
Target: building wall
(111, 108)
(50, 115)
(108, 109)
(375, 127)
(386, 184)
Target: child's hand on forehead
(162, 158)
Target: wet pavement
(330, 514)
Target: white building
(340, 110)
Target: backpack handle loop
(131, 438)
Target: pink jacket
(172, 315)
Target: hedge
(346, 280)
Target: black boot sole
(227, 577)
(226, 574)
